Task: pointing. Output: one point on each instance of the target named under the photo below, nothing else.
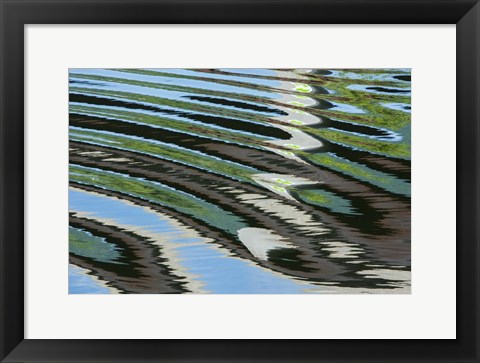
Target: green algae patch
(85, 244)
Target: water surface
(239, 181)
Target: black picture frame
(17, 13)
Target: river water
(239, 181)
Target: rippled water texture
(222, 181)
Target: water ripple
(239, 181)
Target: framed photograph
(239, 181)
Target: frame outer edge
(11, 179)
(11, 170)
(468, 182)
